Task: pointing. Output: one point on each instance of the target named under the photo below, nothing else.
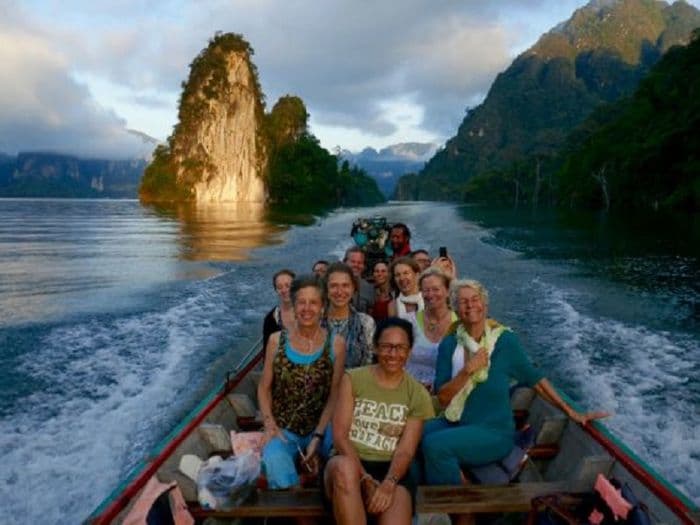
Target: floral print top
(300, 391)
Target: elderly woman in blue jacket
(475, 364)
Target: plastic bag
(225, 483)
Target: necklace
(310, 341)
(434, 324)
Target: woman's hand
(313, 446)
(583, 419)
(477, 361)
(272, 430)
(368, 486)
(447, 265)
(310, 458)
(382, 497)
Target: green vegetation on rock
(644, 151)
(179, 164)
(303, 175)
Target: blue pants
(447, 447)
(278, 457)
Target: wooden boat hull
(583, 452)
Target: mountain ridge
(551, 88)
(388, 164)
(47, 174)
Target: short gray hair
(458, 284)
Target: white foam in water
(641, 376)
(110, 388)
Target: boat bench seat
(271, 504)
(475, 499)
(478, 499)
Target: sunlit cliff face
(228, 137)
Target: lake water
(115, 319)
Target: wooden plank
(242, 405)
(589, 467)
(475, 499)
(521, 398)
(272, 504)
(543, 451)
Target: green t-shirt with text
(380, 414)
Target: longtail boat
(566, 457)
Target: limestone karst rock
(217, 152)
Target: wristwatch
(392, 478)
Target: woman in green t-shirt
(377, 425)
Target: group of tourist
(353, 372)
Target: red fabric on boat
(151, 492)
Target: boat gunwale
(121, 496)
(656, 483)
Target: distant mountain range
(597, 56)
(387, 165)
(50, 174)
(38, 174)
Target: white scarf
(402, 299)
(492, 331)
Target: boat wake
(643, 377)
(110, 388)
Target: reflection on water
(69, 256)
(222, 232)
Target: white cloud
(353, 62)
(43, 108)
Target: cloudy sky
(76, 74)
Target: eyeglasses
(385, 348)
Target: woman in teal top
(475, 364)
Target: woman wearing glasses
(377, 425)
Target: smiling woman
(404, 273)
(376, 429)
(342, 318)
(475, 365)
(297, 391)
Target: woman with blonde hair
(430, 325)
(343, 319)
